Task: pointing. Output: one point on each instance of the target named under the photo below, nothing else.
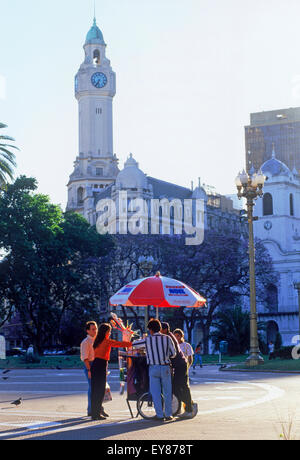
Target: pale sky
(189, 73)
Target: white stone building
(278, 226)
(96, 175)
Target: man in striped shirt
(159, 350)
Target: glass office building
(278, 129)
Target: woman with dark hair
(102, 347)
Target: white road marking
(32, 426)
(46, 383)
(234, 388)
(43, 392)
(214, 383)
(272, 394)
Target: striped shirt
(159, 349)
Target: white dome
(131, 176)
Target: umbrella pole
(146, 319)
(156, 309)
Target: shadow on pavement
(94, 430)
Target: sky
(189, 73)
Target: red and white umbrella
(159, 291)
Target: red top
(103, 350)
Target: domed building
(131, 177)
(96, 177)
(278, 226)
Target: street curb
(259, 370)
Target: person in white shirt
(185, 347)
(87, 356)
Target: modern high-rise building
(277, 130)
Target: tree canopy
(49, 262)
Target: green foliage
(232, 325)
(284, 352)
(51, 261)
(7, 157)
(278, 341)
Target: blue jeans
(89, 409)
(197, 360)
(161, 383)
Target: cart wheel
(145, 406)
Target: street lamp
(146, 263)
(297, 287)
(250, 187)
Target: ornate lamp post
(146, 264)
(250, 187)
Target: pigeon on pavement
(17, 402)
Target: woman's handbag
(107, 395)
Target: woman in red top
(102, 347)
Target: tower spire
(95, 20)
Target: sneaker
(168, 419)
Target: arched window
(272, 330)
(80, 196)
(272, 298)
(291, 204)
(267, 204)
(96, 57)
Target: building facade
(96, 176)
(278, 226)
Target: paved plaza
(232, 405)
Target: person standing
(87, 356)
(184, 346)
(181, 378)
(102, 348)
(159, 350)
(198, 356)
(271, 350)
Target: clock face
(268, 225)
(99, 79)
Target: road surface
(232, 406)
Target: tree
(218, 269)
(50, 261)
(233, 325)
(7, 157)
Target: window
(267, 204)
(80, 196)
(291, 204)
(99, 171)
(96, 57)
(272, 298)
(98, 111)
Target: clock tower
(96, 166)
